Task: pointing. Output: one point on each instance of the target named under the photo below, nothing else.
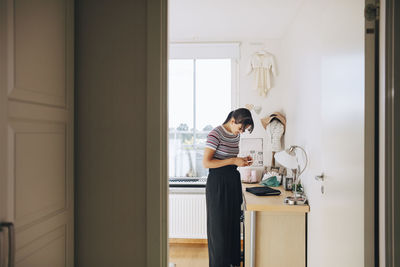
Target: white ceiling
(210, 20)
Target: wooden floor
(188, 255)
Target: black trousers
(223, 200)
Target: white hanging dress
(262, 64)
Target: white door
(326, 94)
(340, 207)
(36, 139)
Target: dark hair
(241, 116)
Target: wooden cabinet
(279, 231)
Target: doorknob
(321, 178)
(11, 241)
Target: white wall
(111, 217)
(323, 67)
(248, 95)
(193, 20)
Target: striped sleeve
(213, 140)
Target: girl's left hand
(249, 160)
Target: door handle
(320, 178)
(11, 241)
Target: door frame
(390, 234)
(3, 114)
(157, 134)
(371, 139)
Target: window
(200, 97)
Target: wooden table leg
(252, 238)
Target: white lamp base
(295, 200)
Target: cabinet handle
(11, 241)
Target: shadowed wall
(110, 133)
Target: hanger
(262, 52)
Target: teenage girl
(224, 189)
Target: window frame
(212, 51)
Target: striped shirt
(225, 144)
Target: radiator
(187, 216)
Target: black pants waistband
(224, 169)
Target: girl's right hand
(241, 162)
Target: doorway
(320, 79)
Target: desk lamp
(289, 159)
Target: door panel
(40, 187)
(37, 82)
(39, 68)
(47, 250)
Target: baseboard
(187, 241)
(191, 241)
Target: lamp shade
(285, 158)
